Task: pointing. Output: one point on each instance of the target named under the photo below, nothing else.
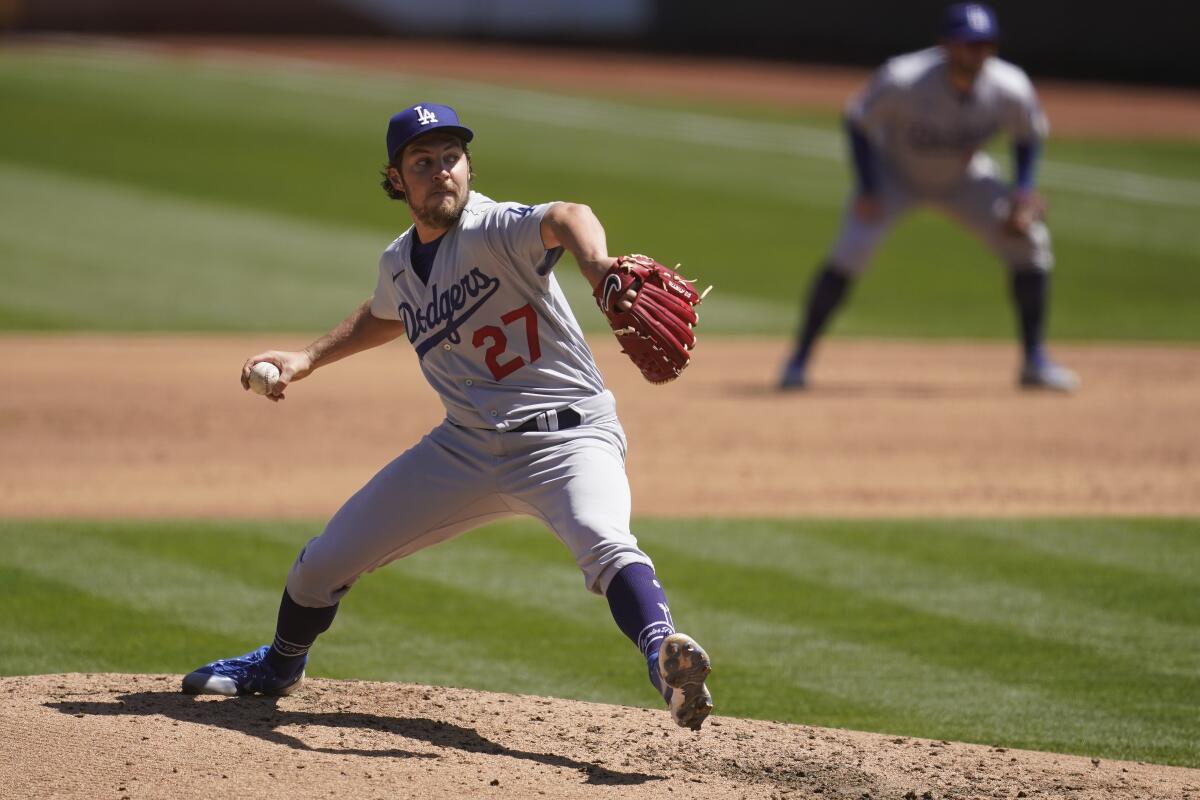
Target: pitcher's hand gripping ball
(656, 332)
(263, 376)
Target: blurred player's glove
(656, 331)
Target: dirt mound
(130, 736)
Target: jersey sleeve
(872, 109)
(385, 303)
(1026, 120)
(514, 232)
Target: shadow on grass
(260, 717)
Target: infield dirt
(160, 427)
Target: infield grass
(1078, 636)
(148, 193)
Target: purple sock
(639, 606)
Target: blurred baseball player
(529, 429)
(916, 137)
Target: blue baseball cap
(412, 122)
(970, 22)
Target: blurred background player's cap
(970, 22)
(412, 122)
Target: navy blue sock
(297, 628)
(1030, 291)
(639, 606)
(827, 292)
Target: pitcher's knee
(604, 561)
(314, 582)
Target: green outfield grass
(1072, 635)
(142, 193)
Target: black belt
(552, 420)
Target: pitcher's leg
(296, 629)
(639, 607)
(581, 492)
(432, 492)
(677, 665)
(575, 482)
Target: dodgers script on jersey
(929, 133)
(492, 329)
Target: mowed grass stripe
(945, 606)
(226, 580)
(1008, 602)
(505, 609)
(175, 263)
(921, 565)
(824, 655)
(1153, 546)
(305, 146)
(448, 598)
(53, 626)
(995, 652)
(500, 564)
(248, 131)
(109, 563)
(169, 262)
(738, 130)
(808, 673)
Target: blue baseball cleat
(248, 674)
(1042, 373)
(682, 667)
(794, 377)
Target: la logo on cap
(425, 116)
(977, 18)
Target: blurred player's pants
(980, 202)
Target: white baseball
(263, 376)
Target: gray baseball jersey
(929, 142)
(498, 342)
(493, 331)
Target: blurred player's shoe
(682, 667)
(793, 374)
(1042, 373)
(248, 674)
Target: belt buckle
(548, 420)
(551, 420)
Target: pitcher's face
(435, 176)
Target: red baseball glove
(656, 331)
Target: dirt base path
(135, 736)
(159, 427)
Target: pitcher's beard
(438, 216)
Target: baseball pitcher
(530, 427)
(916, 137)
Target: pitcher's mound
(131, 736)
